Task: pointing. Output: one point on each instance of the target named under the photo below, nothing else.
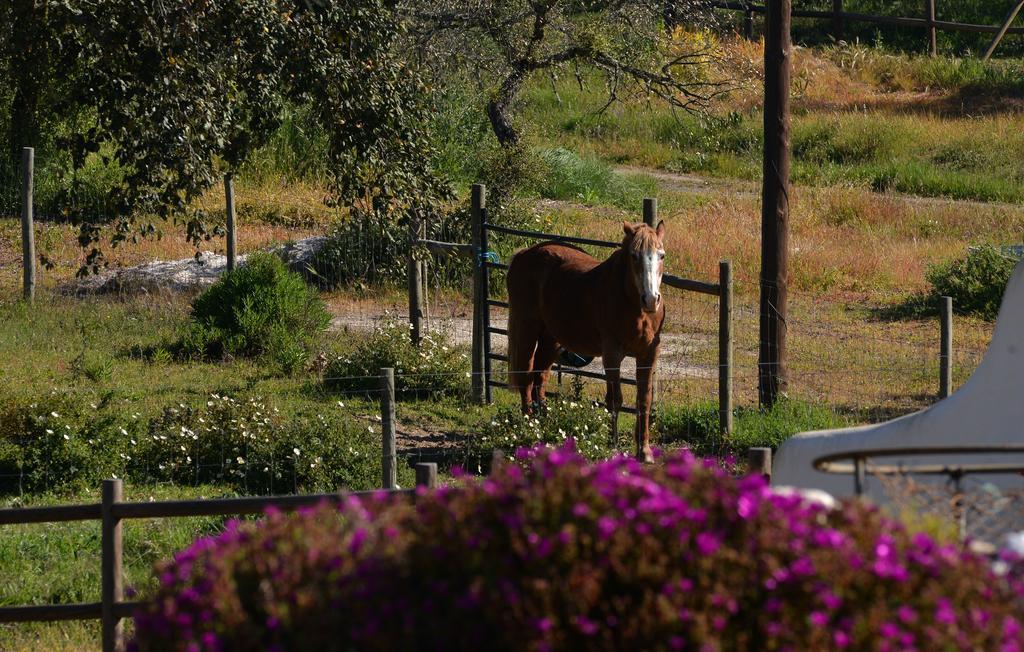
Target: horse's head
(645, 255)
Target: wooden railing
(838, 16)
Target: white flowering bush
(245, 444)
(435, 368)
(585, 423)
(67, 443)
(63, 443)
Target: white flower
(125, 432)
(66, 437)
(296, 451)
(340, 404)
(49, 432)
(241, 460)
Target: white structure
(987, 410)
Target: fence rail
(838, 16)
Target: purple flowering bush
(566, 554)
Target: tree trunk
(500, 106)
(501, 123)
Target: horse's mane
(644, 238)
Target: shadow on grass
(915, 307)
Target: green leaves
(183, 91)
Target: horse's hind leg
(522, 345)
(547, 351)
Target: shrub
(585, 423)
(260, 308)
(976, 282)
(566, 555)
(244, 444)
(435, 368)
(590, 181)
(63, 444)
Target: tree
(184, 90)
(511, 40)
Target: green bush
(245, 444)
(259, 309)
(570, 177)
(436, 368)
(63, 444)
(976, 282)
(584, 422)
(66, 444)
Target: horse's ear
(628, 228)
(661, 229)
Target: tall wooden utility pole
(775, 203)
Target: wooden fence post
(837, 20)
(387, 418)
(748, 23)
(775, 204)
(933, 47)
(414, 271)
(28, 236)
(478, 382)
(759, 460)
(426, 475)
(112, 580)
(725, 348)
(946, 347)
(229, 205)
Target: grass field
(899, 163)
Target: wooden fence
(838, 16)
(112, 510)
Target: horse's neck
(617, 269)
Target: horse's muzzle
(651, 302)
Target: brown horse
(559, 296)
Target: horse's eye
(661, 255)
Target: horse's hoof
(645, 456)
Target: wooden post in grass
(387, 418)
(759, 460)
(414, 272)
(478, 382)
(28, 237)
(748, 23)
(426, 475)
(775, 204)
(946, 347)
(933, 48)
(837, 20)
(229, 204)
(725, 348)
(112, 577)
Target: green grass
(914, 152)
(696, 425)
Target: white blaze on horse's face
(648, 267)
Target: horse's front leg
(645, 367)
(612, 360)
